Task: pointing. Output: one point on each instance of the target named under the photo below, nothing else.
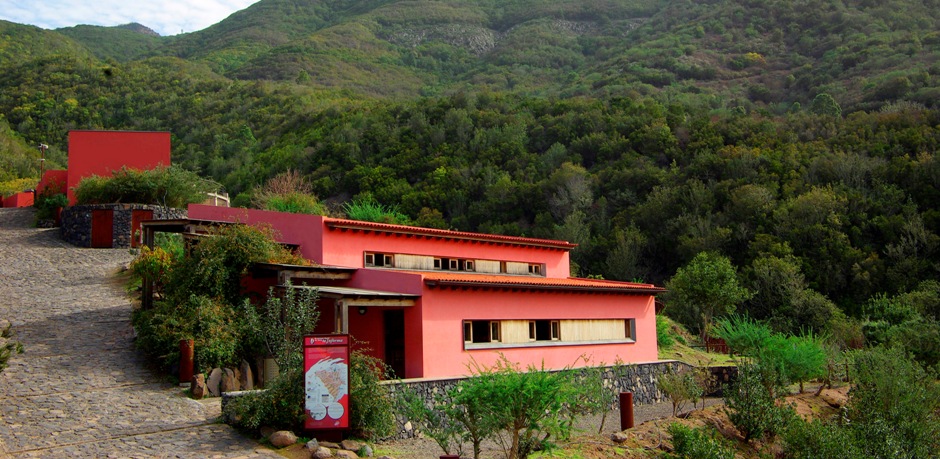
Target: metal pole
(626, 410)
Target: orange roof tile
(444, 279)
(334, 223)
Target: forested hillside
(799, 139)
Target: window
(535, 269)
(379, 260)
(468, 265)
(481, 331)
(544, 330)
(629, 329)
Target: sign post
(326, 381)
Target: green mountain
(798, 138)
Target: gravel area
(81, 389)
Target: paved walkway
(81, 389)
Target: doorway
(395, 341)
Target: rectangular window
(437, 263)
(481, 331)
(532, 333)
(379, 260)
(468, 265)
(544, 330)
(454, 265)
(556, 331)
(629, 329)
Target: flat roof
(570, 284)
(417, 231)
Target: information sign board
(326, 380)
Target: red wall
(102, 152)
(298, 229)
(21, 199)
(53, 178)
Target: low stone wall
(640, 379)
(77, 222)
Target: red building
(103, 152)
(430, 302)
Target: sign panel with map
(326, 381)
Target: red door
(138, 216)
(102, 229)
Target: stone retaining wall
(640, 379)
(76, 222)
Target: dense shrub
(371, 412)
(369, 210)
(698, 444)
(680, 387)
(167, 186)
(751, 407)
(288, 192)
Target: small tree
(706, 288)
(528, 407)
(680, 387)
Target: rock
(229, 383)
(312, 445)
(386, 457)
(350, 445)
(247, 379)
(409, 427)
(346, 454)
(282, 438)
(322, 453)
(215, 379)
(329, 444)
(618, 437)
(835, 399)
(198, 386)
(365, 451)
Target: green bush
(895, 405)
(295, 203)
(369, 210)
(8, 346)
(751, 407)
(663, 338)
(167, 186)
(819, 440)
(371, 412)
(680, 387)
(697, 444)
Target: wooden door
(102, 228)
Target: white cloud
(168, 17)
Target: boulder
(833, 398)
(312, 445)
(350, 445)
(365, 451)
(346, 454)
(282, 438)
(215, 380)
(322, 453)
(329, 444)
(247, 379)
(197, 387)
(618, 437)
(229, 383)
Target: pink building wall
(337, 247)
(102, 152)
(443, 328)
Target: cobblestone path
(81, 389)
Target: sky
(166, 17)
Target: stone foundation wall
(76, 222)
(640, 379)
